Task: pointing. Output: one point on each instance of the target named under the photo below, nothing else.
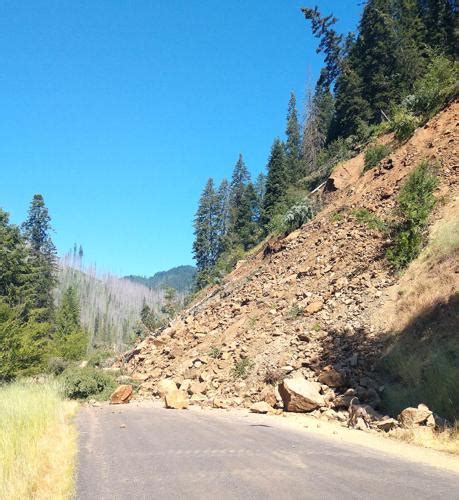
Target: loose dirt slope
(314, 302)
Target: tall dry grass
(37, 442)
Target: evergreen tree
(37, 230)
(247, 228)
(148, 317)
(15, 268)
(330, 44)
(260, 190)
(23, 344)
(351, 108)
(206, 231)
(276, 183)
(316, 130)
(439, 17)
(293, 142)
(223, 216)
(376, 51)
(170, 306)
(69, 340)
(239, 180)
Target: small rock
(261, 407)
(387, 424)
(314, 307)
(220, 403)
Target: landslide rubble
(294, 327)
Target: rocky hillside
(298, 325)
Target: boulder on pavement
(165, 386)
(261, 407)
(121, 395)
(178, 400)
(300, 395)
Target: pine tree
(15, 268)
(351, 108)
(239, 180)
(293, 142)
(440, 22)
(260, 190)
(247, 228)
(170, 306)
(69, 341)
(206, 231)
(37, 230)
(276, 183)
(316, 131)
(410, 36)
(376, 51)
(223, 216)
(330, 44)
(23, 344)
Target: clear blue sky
(118, 112)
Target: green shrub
(57, 365)
(242, 368)
(295, 311)
(100, 358)
(415, 203)
(403, 124)
(438, 84)
(297, 215)
(215, 352)
(374, 154)
(83, 383)
(369, 219)
(337, 215)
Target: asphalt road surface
(135, 452)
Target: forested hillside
(390, 76)
(32, 329)
(181, 278)
(110, 306)
(57, 309)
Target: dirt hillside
(320, 305)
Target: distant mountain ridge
(181, 278)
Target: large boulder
(412, 417)
(300, 395)
(177, 400)
(165, 386)
(121, 395)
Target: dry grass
(37, 442)
(432, 277)
(446, 440)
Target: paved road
(134, 452)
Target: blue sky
(118, 112)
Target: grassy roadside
(37, 441)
